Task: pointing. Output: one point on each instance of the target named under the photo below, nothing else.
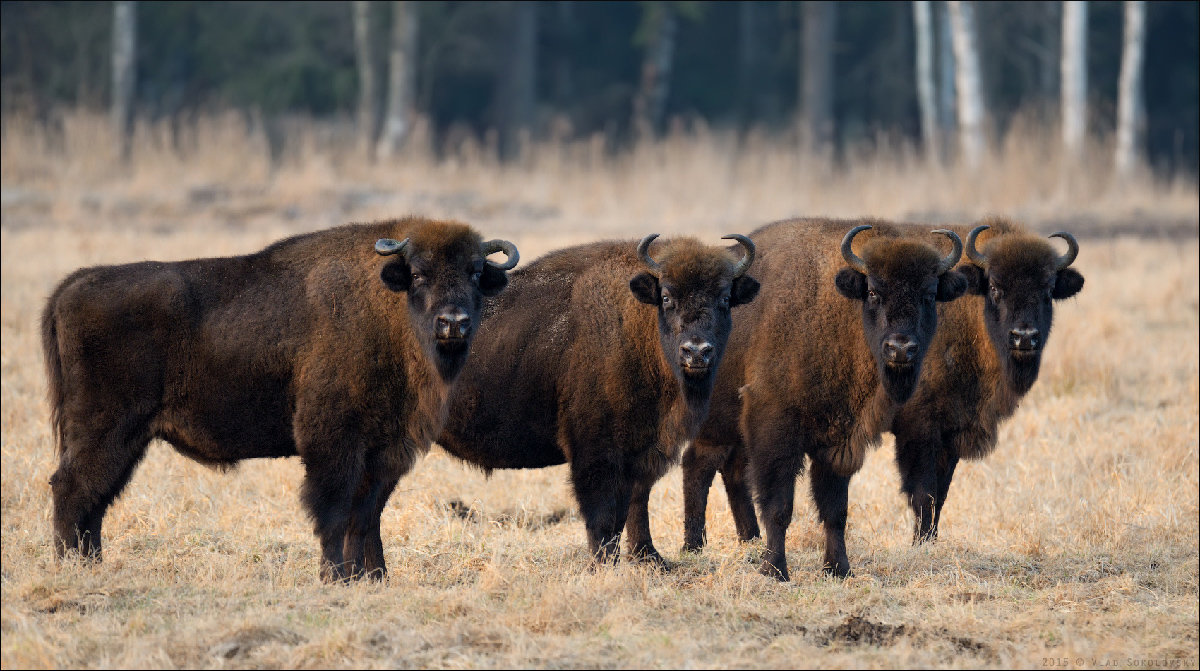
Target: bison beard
(314, 346)
(601, 356)
(798, 383)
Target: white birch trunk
(946, 101)
(1130, 105)
(124, 73)
(968, 83)
(1074, 79)
(923, 23)
(366, 78)
(402, 58)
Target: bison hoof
(771, 570)
(837, 570)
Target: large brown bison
(984, 358)
(603, 356)
(812, 373)
(983, 361)
(315, 346)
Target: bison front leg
(363, 547)
(700, 463)
(603, 489)
(830, 492)
(637, 525)
(775, 484)
(737, 490)
(916, 459)
(946, 463)
(332, 476)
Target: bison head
(694, 287)
(445, 271)
(1020, 276)
(899, 283)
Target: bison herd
(358, 347)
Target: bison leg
(918, 476)
(737, 490)
(331, 478)
(830, 492)
(775, 484)
(603, 490)
(637, 525)
(700, 464)
(947, 462)
(363, 547)
(91, 474)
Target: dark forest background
(734, 65)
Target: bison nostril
(900, 349)
(1024, 338)
(452, 325)
(695, 354)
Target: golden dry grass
(1074, 545)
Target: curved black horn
(509, 249)
(1072, 250)
(953, 257)
(388, 246)
(977, 257)
(643, 252)
(743, 265)
(851, 258)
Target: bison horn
(743, 265)
(388, 246)
(509, 249)
(1072, 250)
(643, 252)
(953, 257)
(853, 259)
(977, 257)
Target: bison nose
(900, 349)
(452, 324)
(1025, 338)
(694, 354)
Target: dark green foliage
(299, 57)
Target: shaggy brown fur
(971, 380)
(583, 360)
(315, 346)
(801, 378)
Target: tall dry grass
(1074, 545)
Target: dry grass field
(1075, 545)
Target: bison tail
(54, 371)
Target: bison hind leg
(92, 471)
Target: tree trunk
(923, 24)
(124, 73)
(1130, 105)
(650, 103)
(968, 83)
(947, 102)
(1074, 79)
(819, 34)
(366, 78)
(402, 59)
(516, 89)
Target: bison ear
(851, 284)
(743, 291)
(976, 278)
(1067, 284)
(951, 285)
(645, 288)
(396, 275)
(492, 281)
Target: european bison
(602, 356)
(984, 358)
(314, 346)
(801, 378)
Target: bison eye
(872, 295)
(475, 276)
(724, 301)
(666, 301)
(996, 294)
(418, 279)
